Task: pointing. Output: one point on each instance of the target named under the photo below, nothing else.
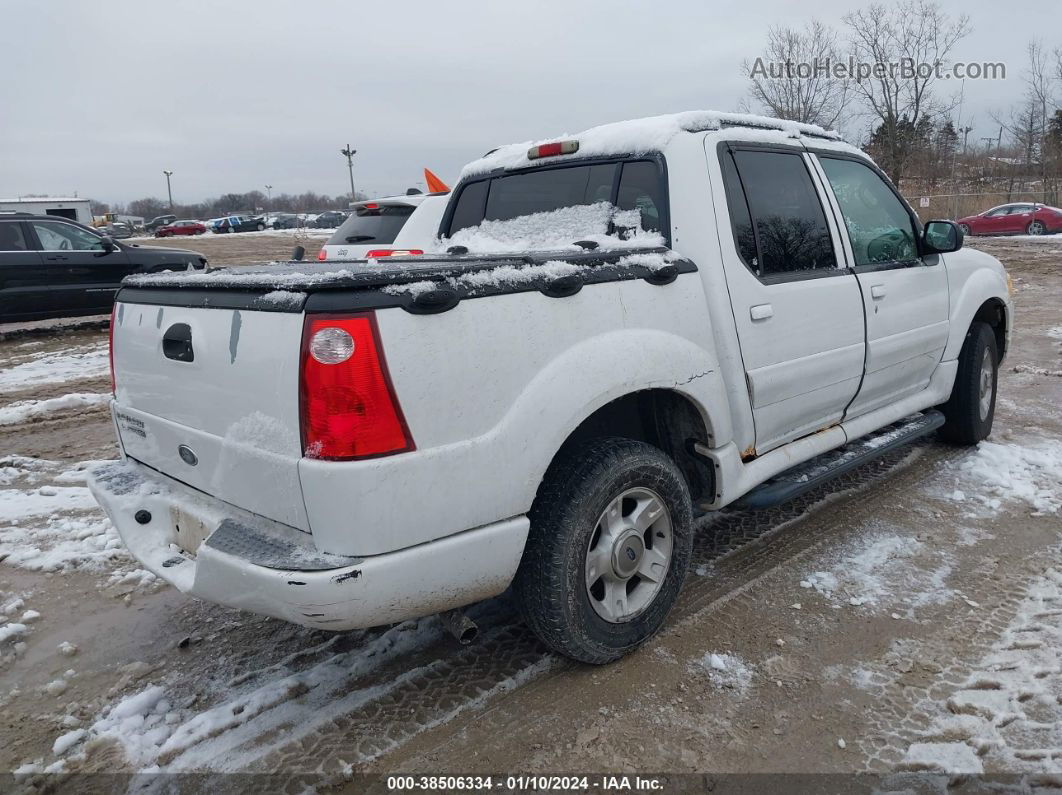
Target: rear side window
(372, 225)
(11, 237)
(784, 215)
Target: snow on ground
(54, 527)
(72, 364)
(876, 571)
(996, 473)
(26, 410)
(1006, 716)
(724, 671)
(248, 717)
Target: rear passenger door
(797, 309)
(20, 274)
(905, 295)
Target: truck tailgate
(210, 397)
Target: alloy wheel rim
(628, 555)
(985, 384)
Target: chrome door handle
(761, 311)
(877, 291)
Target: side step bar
(804, 477)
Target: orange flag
(435, 185)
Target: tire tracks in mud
(737, 548)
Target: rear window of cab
(379, 224)
(626, 184)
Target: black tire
(964, 229)
(261, 227)
(550, 584)
(1036, 228)
(965, 421)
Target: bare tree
(791, 78)
(915, 34)
(1026, 124)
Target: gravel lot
(911, 619)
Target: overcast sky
(100, 97)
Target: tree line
(915, 130)
(251, 202)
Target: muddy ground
(241, 248)
(840, 633)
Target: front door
(905, 295)
(797, 310)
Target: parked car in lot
(159, 220)
(1020, 218)
(394, 226)
(705, 322)
(330, 219)
(286, 221)
(181, 228)
(239, 223)
(117, 230)
(52, 267)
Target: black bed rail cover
(422, 285)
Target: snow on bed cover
(639, 136)
(553, 231)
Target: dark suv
(52, 267)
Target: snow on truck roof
(638, 136)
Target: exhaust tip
(463, 628)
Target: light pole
(168, 189)
(349, 153)
(269, 194)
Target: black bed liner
(359, 284)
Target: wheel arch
(994, 313)
(665, 418)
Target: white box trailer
(75, 209)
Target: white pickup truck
(681, 313)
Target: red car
(1014, 219)
(181, 228)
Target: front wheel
(261, 227)
(971, 408)
(965, 229)
(610, 541)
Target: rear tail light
(551, 150)
(376, 253)
(110, 350)
(322, 255)
(347, 403)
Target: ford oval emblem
(188, 455)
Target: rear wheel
(972, 406)
(1036, 228)
(610, 541)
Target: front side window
(64, 237)
(879, 225)
(780, 227)
(998, 211)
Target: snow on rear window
(556, 230)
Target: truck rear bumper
(215, 551)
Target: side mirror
(108, 244)
(941, 237)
